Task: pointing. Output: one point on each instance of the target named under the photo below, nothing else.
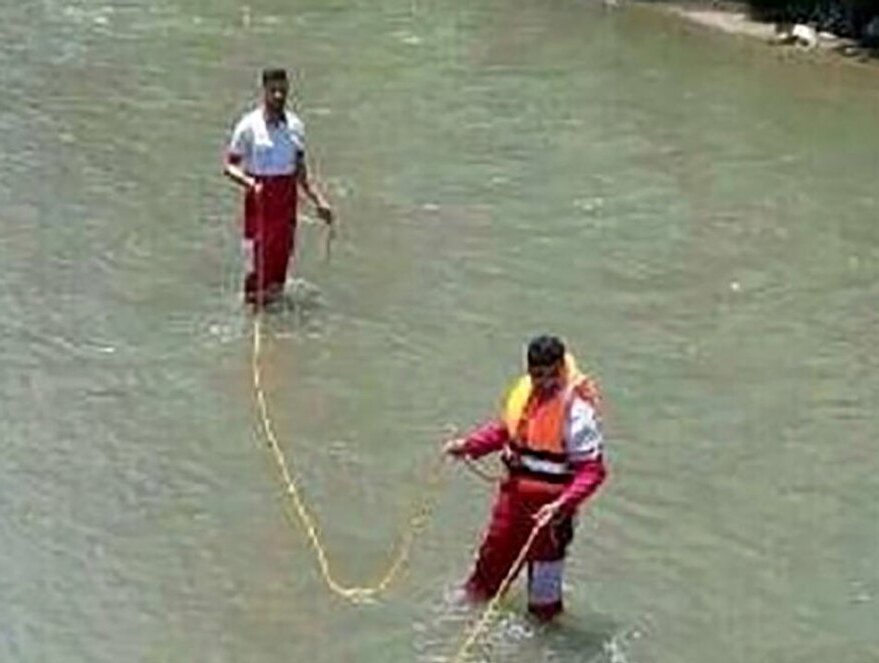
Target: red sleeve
(588, 477)
(490, 436)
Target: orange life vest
(536, 455)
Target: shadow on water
(301, 308)
(515, 636)
(590, 638)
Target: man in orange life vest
(266, 156)
(551, 443)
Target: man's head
(275, 87)
(546, 363)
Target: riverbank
(734, 18)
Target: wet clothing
(569, 467)
(270, 152)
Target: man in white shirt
(266, 156)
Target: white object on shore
(799, 34)
(805, 35)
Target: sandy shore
(733, 19)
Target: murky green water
(698, 216)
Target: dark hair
(545, 351)
(271, 75)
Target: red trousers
(269, 237)
(512, 520)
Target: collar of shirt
(280, 120)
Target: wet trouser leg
(546, 568)
(269, 234)
(511, 523)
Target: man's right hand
(455, 447)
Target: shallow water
(695, 214)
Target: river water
(697, 215)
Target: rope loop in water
(420, 515)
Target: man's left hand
(547, 512)
(324, 212)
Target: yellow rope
(475, 467)
(480, 471)
(415, 525)
(484, 621)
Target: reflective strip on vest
(525, 464)
(541, 466)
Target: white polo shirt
(268, 149)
